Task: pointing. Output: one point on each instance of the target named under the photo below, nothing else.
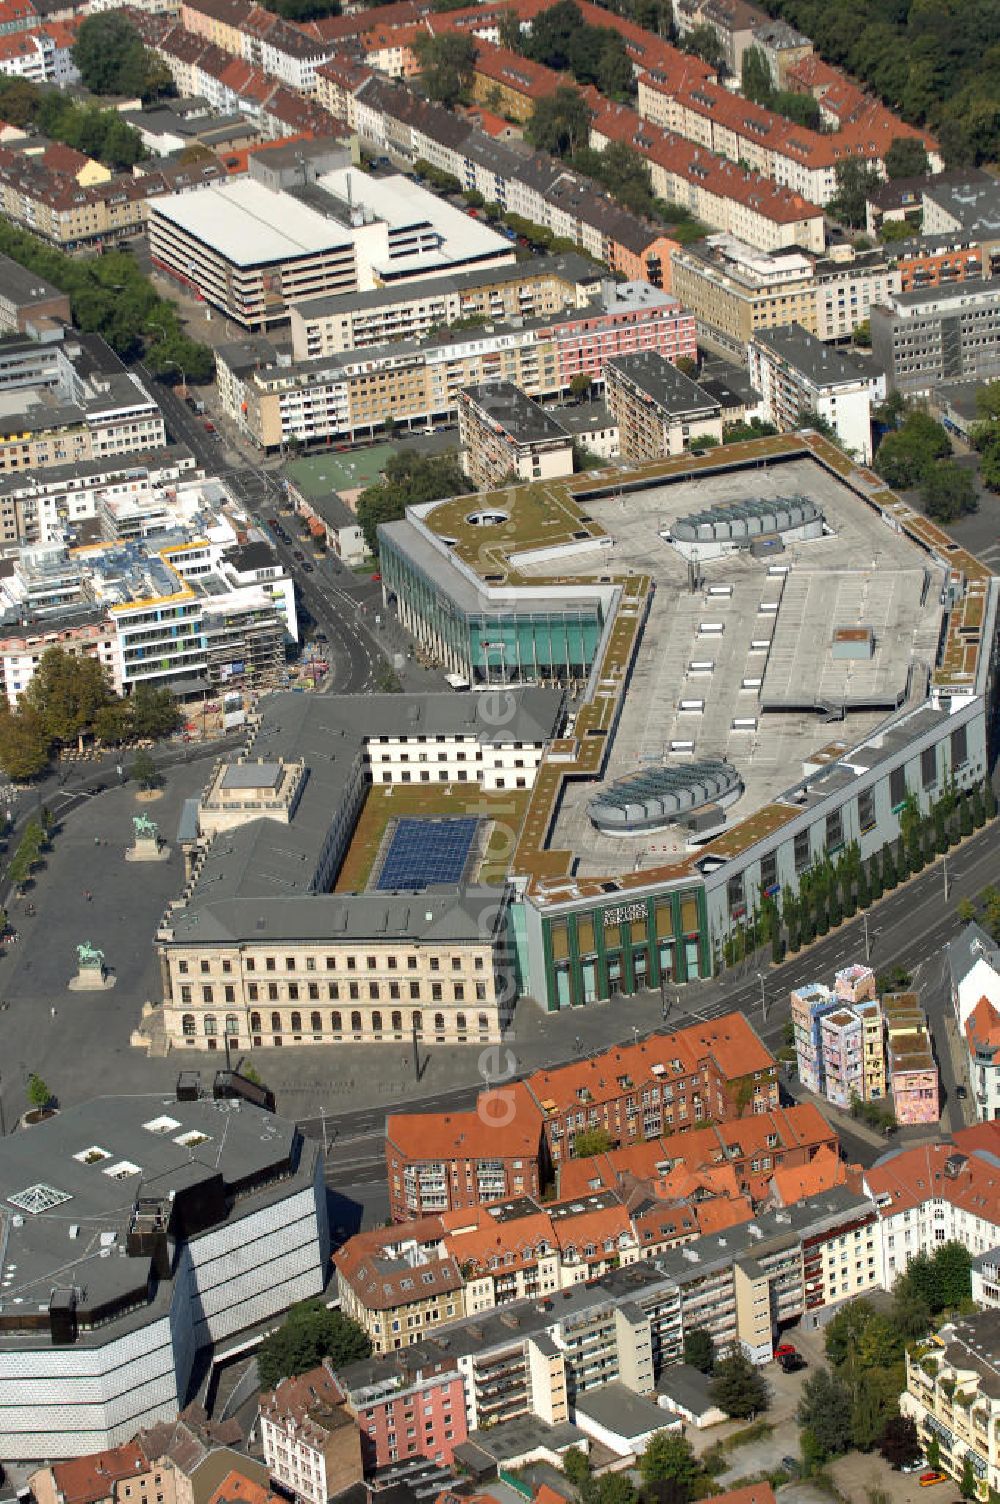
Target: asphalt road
(339, 603)
(910, 926)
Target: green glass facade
(618, 948)
(493, 647)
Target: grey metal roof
(820, 363)
(621, 1411)
(686, 1386)
(98, 1159)
(575, 269)
(655, 796)
(261, 880)
(738, 521)
(652, 373)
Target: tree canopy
(110, 296)
(699, 1349)
(856, 179)
(309, 1334)
(561, 39)
(936, 61)
(68, 698)
(757, 84)
(591, 1141)
(703, 41)
(113, 59)
(446, 63)
(948, 491)
(738, 1387)
(669, 1458)
(824, 1412)
(907, 453)
(560, 122)
(101, 134)
(409, 478)
(906, 158)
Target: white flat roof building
(252, 250)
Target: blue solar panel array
(422, 852)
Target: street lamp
(763, 996)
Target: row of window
(293, 963)
(295, 992)
(375, 1025)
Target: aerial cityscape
(499, 658)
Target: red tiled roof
(914, 1176)
(473, 1134)
(84, 1480)
(982, 1027)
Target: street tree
(143, 770)
(24, 746)
(65, 693)
(38, 1093)
(948, 491)
(900, 1443)
(408, 479)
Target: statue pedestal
(148, 849)
(92, 979)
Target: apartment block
(838, 1034)
(311, 1444)
(953, 1395)
(913, 1071)
(735, 290)
(938, 1193)
(438, 1162)
(938, 334)
(797, 374)
(27, 302)
(399, 1283)
(985, 1274)
(982, 1042)
(417, 382)
(538, 288)
(659, 411)
(506, 437)
(669, 1082)
(413, 1406)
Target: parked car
(961, 1093)
(784, 1350)
(914, 1467)
(298, 554)
(928, 1480)
(308, 568)
(791, 1362)
(376, 577)
(791, 1464)
(209, 426)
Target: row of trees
(70, 699)
(110, 296)
(101, 134)
(854, 1403)
(835, 888)
(35, 841)
(408, 479)
(936, 61)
